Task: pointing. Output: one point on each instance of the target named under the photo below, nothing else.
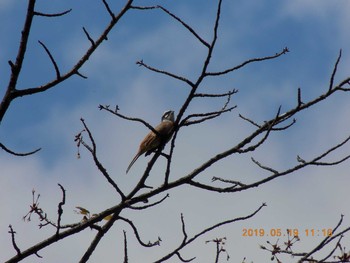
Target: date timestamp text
(279, 232)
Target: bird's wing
(165, 128)
(152, 141)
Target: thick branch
(101, 232)
(13, 93)
(17, 66)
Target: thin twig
(126, 260)
(183, 229)
(12, 232)
(149, 244)
(109, 10)
(206, 230)
(58, 74)
(115, 112)
(149, 205)
(98, 163)
(60, 209)
(331, 82)
(2, 146)
(89, 37)
(54, 14)
(203, 95)
(143, 64)
(249, 61)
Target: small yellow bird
(152, 141)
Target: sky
(313, 198)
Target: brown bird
(152, 140)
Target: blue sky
(314, 31)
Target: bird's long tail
(133, 161)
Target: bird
(152, 140)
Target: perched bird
(152, 140)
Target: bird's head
(168, 116)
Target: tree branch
(249, 61)
(58, 74)
(143, 64)
(137, 235)
(17, 66)
(186, 242)
(52, 15)
(13, 93)
(97, 162)
(185, 25)
(2, 146)
(14, 244)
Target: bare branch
(213, 42)
(326, 241)
(315, 161)
(209, 115)
(190, 29)
(89, 37)
(97, 162)
(149, 244)
(101, 232)
(268, 127)
(237, 186)
(235, 183)
(52, 15)
(109, 10)
(183, 229)
(150, 205)
(58, 74)
(331, 82)
(13, 93)
(182, 259)
(250, 121)
(60, 209)
(206, 230)
(80, 75)
(272, 129)
(203, 95)
(300, 102)
(284, 51)
(264, 167)
(12, 232)
(17, 66)
(2, 146)
(126, 260)
(71, 231)
(220, 243)
(143, 64)
(115, 112)
(341, 85)
(185, 25)
(204, 116)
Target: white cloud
(321, 9)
